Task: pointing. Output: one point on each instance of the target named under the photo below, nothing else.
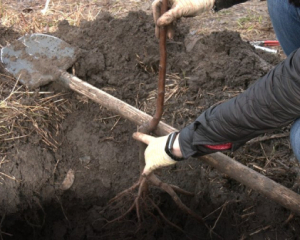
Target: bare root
(142, 197)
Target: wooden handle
(223, 163)
(123, 109)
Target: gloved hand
(179, 8)
(155, 155)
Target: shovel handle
(110, 102)
(278, 193)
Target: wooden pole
(278, 193)
(269, 188)
(106, 100)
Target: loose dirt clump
(61, 193)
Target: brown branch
(290, 217)
(265, 138)
(162, 72)
(142, 195)
(122, 216)
(126, 191)
(164, 218)
(167, 188)
(182, 191)
(140, 192)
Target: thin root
(164, 218)
(143, 195)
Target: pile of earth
(120, 56)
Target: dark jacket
(270, 103)
(220, 4)
(295, 2)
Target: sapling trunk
(152, 125)
(162, 73)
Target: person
(272, 102)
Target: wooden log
(278, 193)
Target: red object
(271, 43)
(220, 147)
(265, 43)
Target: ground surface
(53, 135)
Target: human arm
(270, 103)
(186, 8)
(221, 4)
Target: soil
(63, 192)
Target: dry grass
(23, 113)
(26, 17)
(252, 21)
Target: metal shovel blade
(37, 59)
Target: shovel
(38, 59)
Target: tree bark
(162, 72)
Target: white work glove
(155, 155)
(179, 8)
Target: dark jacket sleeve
(220, 4)
(270, 103)
(295, 2)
